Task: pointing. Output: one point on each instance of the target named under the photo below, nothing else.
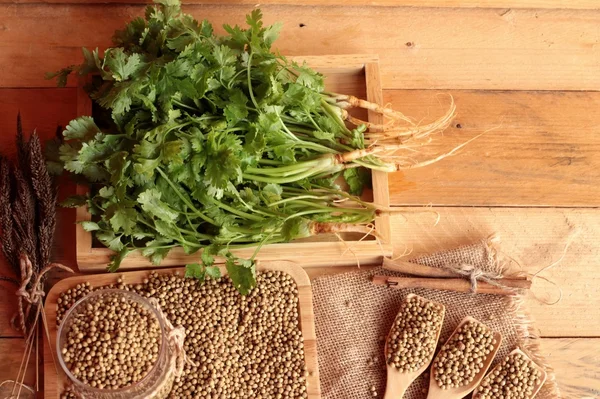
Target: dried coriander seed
(516, 377)
(463, 356)
(243, 346)
(412, 338)
(112, 342)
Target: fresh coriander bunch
(217, 142)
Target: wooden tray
(54, 380)
(351, 74)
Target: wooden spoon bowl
(537, 386)
(435, 392)
(397, 381)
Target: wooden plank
(576, 362)
(11, 354)
(573, 4)
(543, 149)
(54, 384)
(42, 109)
(535, 238)
(480, 48)
(8, 303)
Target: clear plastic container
(157, 383)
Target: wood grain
(54, 384)
(11, 353)
(470, 48)
(535, 238)
(572, 4)
(540, 149)
(41, 109)
(576, 362)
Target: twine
(176, 339)
(476, 274)
(33, 295)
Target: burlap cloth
(352, 316)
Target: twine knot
(476, 274)
(176, 339)
(33, 296)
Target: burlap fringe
(530, 343)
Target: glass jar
(156, 384)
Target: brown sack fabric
(353, 317)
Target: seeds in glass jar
(413, 336)
(463, 356)
(516, 377)
(112, 342)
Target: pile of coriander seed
(241, 346)
(516, 377)
(112, 341)
(463, 356)
(413, 337)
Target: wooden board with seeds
(55, 379)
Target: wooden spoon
(435, 392)
(537, 387)
(397, 381)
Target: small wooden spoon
(540, 383)
(435, 392)
(397, 381)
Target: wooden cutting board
(54, 378)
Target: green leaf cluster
(212, 143)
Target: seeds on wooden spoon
(412, 338)
(463, 356)
(516, 378)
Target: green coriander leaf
(89, 226)
(82, 128)
(295, 228)
(61, 76)
(236, 110)
(152, 204)
(195, 270)
(224, 55)
(120, 64)
(207, 257)
(213, 272)
(116, 259)
(109, 239)
(357, 179)
(272, 33)
(124, 219)
(242, 274)
(272, 192)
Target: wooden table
(529, 75)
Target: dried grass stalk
(46, 199)
(6, 211)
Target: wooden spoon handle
(395, 388)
